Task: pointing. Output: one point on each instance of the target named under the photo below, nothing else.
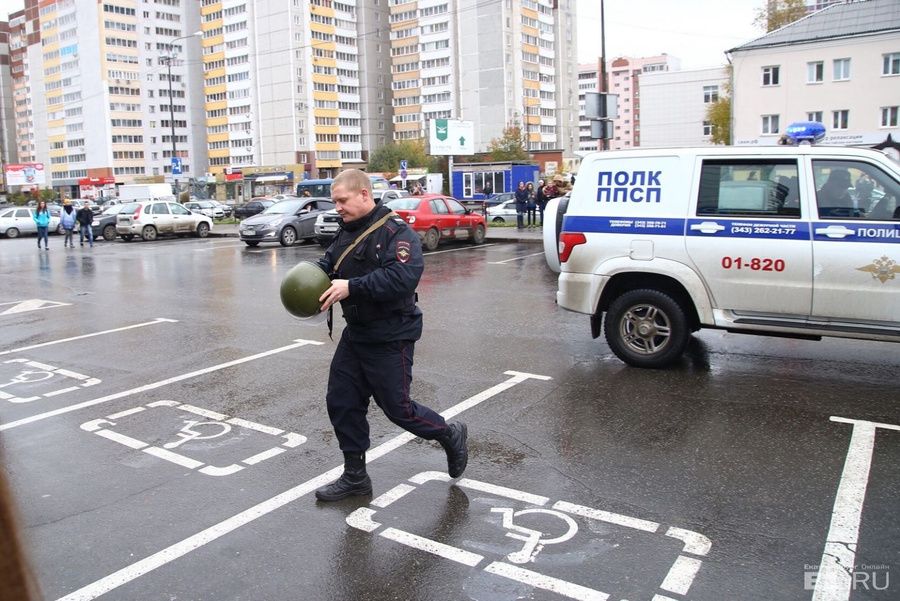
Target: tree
(718, 113)
(511, 146)
(386, 159)
(775, 14)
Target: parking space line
(122, 329)
(548, 583)
(204, 537)
(453, 250)
(515, 259)
(834, 578)
(154, 385)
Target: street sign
(404, 164)
(449, 137)
(176, 166)
(403, 173)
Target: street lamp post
(169, 57)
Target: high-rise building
(624, 75)
(588, 81)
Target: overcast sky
(696, 31)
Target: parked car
(253, 206)
(496, 199)
(149, 219)
(15, 221)
(207, 208)
(327, 223)
(505, 212)
(227, 210)
(287, 222)
(280, 197)
(436, 217)
(104, 224)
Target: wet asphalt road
(715, 480)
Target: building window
(770, 76)
(707, 128)
(891, 64)
(841, 69)
(814, 116)
(770, 124)
(710, 94)
(815, 72)
(840, 119)
(889, 116)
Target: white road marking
(263, 456)
(435, 548)
(139, 389)
(399, 491)
(605, 516)
(453, 250)
(834, 579)
(502, 491)
(179, 549)
(174, 457)
(33, 304)
(122, 329)
(548, 583)
(681, 575)
(540, 254)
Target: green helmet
(301, 288)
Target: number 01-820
(754, 264)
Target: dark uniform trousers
(383, 371)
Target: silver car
(15, 221)
(149, 219)
(206, 207)
(505, 212)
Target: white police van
(796, 241)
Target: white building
(840, 66)
(588, 81)
(674, 104)
(625, 79)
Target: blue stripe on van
(788, 229)
(863, 231)
(656, 226)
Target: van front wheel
(646, 328)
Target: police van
(795, 241)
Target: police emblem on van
(882, 269)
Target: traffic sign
(404, 164)
(449, 137)
(176, 166)
(403, 173)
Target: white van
(799, 241)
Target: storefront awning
(267, 178)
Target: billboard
(25, 174)
(448, 137)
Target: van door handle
(834, 231)
(707, 227)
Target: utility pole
(174, 160)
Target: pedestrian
(67, 221)
(417, 190)
(376, 288)
(531, 205)
(521, 195)
(41, 217)
(85, 218)
(541, 199)
(306, 194)
(488, 189)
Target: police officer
(376, 262)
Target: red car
(436, 217)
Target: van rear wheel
(646, 328)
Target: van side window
(855, 190)
(749, 187)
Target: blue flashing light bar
(805, 132)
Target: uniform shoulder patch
(403, 251)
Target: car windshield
(285, 207)
(130, 209)
(404, 204)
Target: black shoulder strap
(360, 238)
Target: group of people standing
(529, 202)
(68, 218)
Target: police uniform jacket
(383, 271)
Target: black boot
(454, 442)
(354, 480)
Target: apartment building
(839, 66)
(588, 81)
(674, 103)
(624, 75)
